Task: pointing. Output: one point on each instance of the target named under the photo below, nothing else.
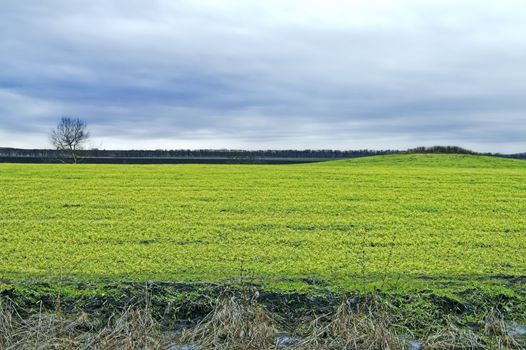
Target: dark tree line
(202, 153)
(441, 149)
(215, 156)
(160, 156)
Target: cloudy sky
(266, 74)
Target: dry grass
(241, 323)
(133, 329)
(40, 331)
(235, 323)
(496, 328)
(8, 317)
(453, 337)
(363, 326)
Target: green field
(421, 220)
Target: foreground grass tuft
(235, 323)
(133, 329)
(366, 325)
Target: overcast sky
(266, 74)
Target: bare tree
(69, 137)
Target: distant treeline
(460, 150)
(16, 155)
(185, 156)
(14, 152)
(441, 149)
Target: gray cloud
(266, 74)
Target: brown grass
(235, 323)
(40, 331)
(241, 323)
(133, 329)
(496, 328)
(7, 322)
(453, 337)
(363, 326)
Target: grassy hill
(432, 160)
(399, 221)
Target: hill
(431, 160)
(197, 222)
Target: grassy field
(431, 221)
